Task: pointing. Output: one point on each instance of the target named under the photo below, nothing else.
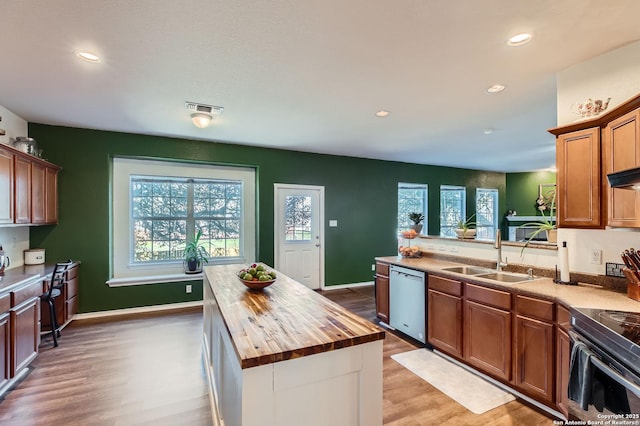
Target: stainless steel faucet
(498, 245)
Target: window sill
(153, 279)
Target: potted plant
(545, 224)
(417, 219)
(194, 255)
(466, 228)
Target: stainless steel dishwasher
(407, 302)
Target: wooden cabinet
(487, 330)
(24, 325)
(28, 189)
(22, 185)
(382, 291)
(66, 304)
(5, 340)
(586, 152)
(6, 186)
(579, 181)
(563, 359)
(622, 149)
(444, 313)
(534, 359)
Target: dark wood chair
(55, 290)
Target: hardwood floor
(146, 370)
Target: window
(167, 212)
(159, 205)
(297, 218)
(452, 209)
(486, 213)
(412, 198)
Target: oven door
(599, 384)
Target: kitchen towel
(469, 390)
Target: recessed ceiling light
(487, 131)
(519, 39)
(382, 113)
(496, 88)
(88, 56)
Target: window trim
(496, 219)
(463, 212)
(123, 167)
(425, 188)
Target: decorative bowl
(255, 271)
(257, 285)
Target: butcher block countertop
(284, 321)
(572, 296)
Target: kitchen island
(287, 355)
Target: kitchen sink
(467, 270)
(506, 277)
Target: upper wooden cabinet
(579, 179)
(588, 150)
(622, 152)
(28, 189)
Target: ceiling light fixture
(496, 88)
(519, 39)
(382, 113)
(202, 114)
(487, 131)
(88, 57)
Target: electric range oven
(605, 365)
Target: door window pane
(297, 211)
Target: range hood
(626, 179)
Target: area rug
(471, 391)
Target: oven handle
(615, 376)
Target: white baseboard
(343, 286)
(138, 310)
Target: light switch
(333, 223)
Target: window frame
(495, 224)
(121, 265)
(462, 211)
(425, 201)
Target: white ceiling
(309, 75)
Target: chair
(55, 290)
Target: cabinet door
(37, 193)
(22, 179)
(578, 199)
(5, 345)
(445, 322)
(6, 186)
(487, 339)
(25, 334)
(51, 196)
(622, 140)
(563, 359)
(534, 363)
(382, 297)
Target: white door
(298, 218)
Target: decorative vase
(416, 228)
(191, 266)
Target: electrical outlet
(188, 288)
(596, 256)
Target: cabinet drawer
(72, 273)
(71, 308)
(382, 268)
(445, 285)
(563, 316)
(488, 296)
(27, 292)
(534, 308)
(72, 288)
(5, 303)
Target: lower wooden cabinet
(444, 311)
(534, 358)
(487, 339)
(67, 303)
(25, 333)
(563, 359)
(5, 346)
(382, 291)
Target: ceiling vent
(209, 109)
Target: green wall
(522, 191)
(360, 193)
